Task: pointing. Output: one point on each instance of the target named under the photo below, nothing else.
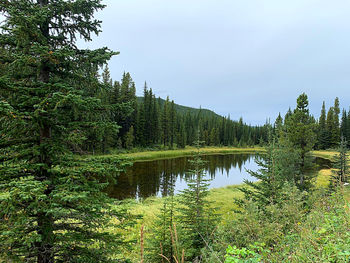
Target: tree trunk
(45, 221)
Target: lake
(155, 178)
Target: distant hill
(184, 109)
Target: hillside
(184, 109)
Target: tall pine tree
(300, 135)
(52, 208)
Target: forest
(66, 129)
(150, 122)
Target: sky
(248, 58)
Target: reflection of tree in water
(158, 177)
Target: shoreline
(141, 156)
(188, 151)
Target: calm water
(151, 178)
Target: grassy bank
(327, 154)
(149, 208)
(167, 154)
(222, 198)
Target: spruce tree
(344, 125)
(335, 135)
(278, 125)
(129, 138)
(323, 136)
(341, 166)
(277, 166)
(181, 138)
(172, 123)
(52, 208)
(197, 217)
(166, 122)
(300, 135)
(161, 242)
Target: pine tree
(172, 123)
(335, 133)
(129, 138)
(197, 218)
(300, 135)
(278, 166)
(330, 126)
(341, 166)
(106, 76)
(52, 207)
(344, 125)
(161, 243)
(155, 121)
(323, 135)
(181, 138)
(278, 125)
(166, 123)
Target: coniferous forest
(68, 132)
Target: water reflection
(151, 178)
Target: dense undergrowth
(317, 234)
(304, 227)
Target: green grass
(323, 177)
(327, 154)
(149, 208)
(222, 198)
(168, 154)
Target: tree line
(153, 122)
(53, 105)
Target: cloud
(250, 58)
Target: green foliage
(129, 138)
(341, 166)
(323, 134)
(163, 122)
(244, 255)
(162, 241)
(52, 205)
(300, 135)
(252, 224)
(322, 237)
(277, 167)
(198, 219)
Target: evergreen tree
(140, 126)
(344, 125)
(166, 123)
(323, 135)
(278, 125)
(181, 138)
(278, 166)
(300, 135)
(155, 121)
(330, 127)
(197, 218)
(347, 135)
(341, 166)
(172, 123)
(162, 237)
(335, 133)
(106, 76)
(52, 207)
(129, 138)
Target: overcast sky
(249, 58)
